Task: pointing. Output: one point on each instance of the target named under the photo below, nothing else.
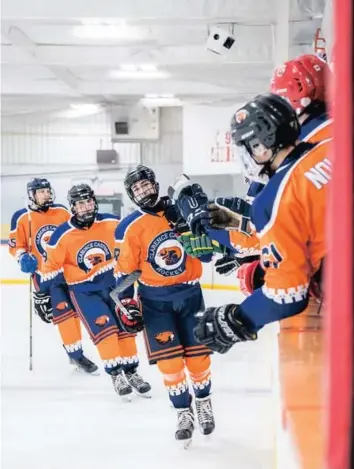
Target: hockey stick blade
(175, 188)
(125, 283)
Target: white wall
(207, 140)
(64, 151)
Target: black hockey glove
(43, 306)
(192, 203)
(226, 265)
(129, 316)
(221, 327)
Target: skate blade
(80, 370)
(127, 398)
(186, 443)
(144, 395)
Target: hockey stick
(30, 293)
(127, 282)
(179, 183)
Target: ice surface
(57, 418)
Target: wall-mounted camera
(220, 41)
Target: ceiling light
(92, 29)
(159, 96)
(148, 67)
(80, 110)
(138, 75)
(129, 67)
(157, 100)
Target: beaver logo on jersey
(164, 338)
(62, 306)
(166, 255)
(102, 320)
(42, 237)
(171, 255)
(93, 254)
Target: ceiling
(53, 55)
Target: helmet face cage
(266, 123)
(144, 195)
(37, 184)
(83, 203)
(251, 170)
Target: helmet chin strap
(267, 170)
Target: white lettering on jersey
(320, 174)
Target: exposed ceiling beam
(23, 42)
(228, 10)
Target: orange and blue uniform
(170, 295)
(289, 218)
(85, 257)
(31, 230)
(316, 128)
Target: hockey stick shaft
(30, 294)
(127, 282)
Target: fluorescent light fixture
(106, 29)
(148, 68)
(129, 67)
(159, 96)
(80, 110)
(138, 75)
(151, 99)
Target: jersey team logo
(164, 338)
(241, 116)
(42, 237)
(93, 254)
(166, 255)
(101, 321)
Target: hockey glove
(251, 277)
(129, 316)
(43, 306)
(198, 246)
(226, 265)
(221, 327)
(28, 263)
(192, 203)
(181, 227)
(232, 213)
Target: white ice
(57, 418)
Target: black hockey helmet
(148, 195)
(269, 121)
(36, 184)
(80, 193)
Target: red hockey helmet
(301, 81)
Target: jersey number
(271, 257)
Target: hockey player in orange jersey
(288, 216)
(169, 295)
(81, 250)
(302, 82)
(31, 229)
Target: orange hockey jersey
(313, 131)
(145, 241)
(289, 216)
(30, 226)
(84, 256)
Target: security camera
(220, 41)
